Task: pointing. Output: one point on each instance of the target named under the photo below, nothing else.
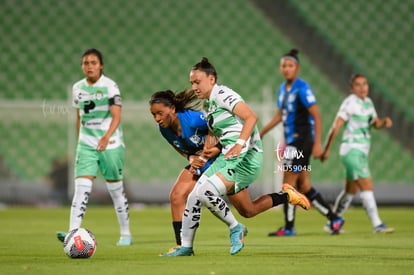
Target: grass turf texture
(29, 245)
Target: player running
(302, 123)
(357, 115)
(238, 165)
(184, 126)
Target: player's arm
(250, 119)
(78, 121)
(317, 146)
(115, 109)
(212, 146)
(382, 122)
(333, 132)
(277, 118)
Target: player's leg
(370, 205)
(319, 202)
(111, 165)
(178, 195)
(344, 198)
(288, 229)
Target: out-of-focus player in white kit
(358, 115)
(100, 143)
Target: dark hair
(184, 100)
(355, 76)
(293, 53)
(205, 66)
(94, 52)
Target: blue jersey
(297, 121)
(194, 130)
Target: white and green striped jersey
(358, 114)
(226, 125)
(95, 116)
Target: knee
(177, 197)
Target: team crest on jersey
(196, 139)
(99, 95)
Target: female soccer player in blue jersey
(184, 126)
(100, 143)
(357, 115)
(299, 112)
(232, 121)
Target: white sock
(191, 219)
(83, 187)
(368, 201)
(342, 202)
(116, 190)
(209, 193)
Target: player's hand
(387, 122)
(317, 150)
(211, 152)
(234, 152)
(197, 161)
(102, 144)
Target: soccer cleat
(336, 225)
(61, 235)
(172, 249)
(124, 241)
(237, 238)
(180, 251)
(327, 228)
(382, 228)
(283, 232)
(295, 197)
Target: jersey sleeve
(76, 91)
(374, 112)
(307, 96)
(113, 90)
(227, 98)
(345, 110)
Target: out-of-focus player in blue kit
(298, 111)
(185, 128)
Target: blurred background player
(238, 165)
(100, 143)
(358, 115)
(184, 126)
(302, 123)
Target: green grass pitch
(28, 244)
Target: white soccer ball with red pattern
(79, 243)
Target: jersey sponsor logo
(196, 139)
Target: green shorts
(109, 162)
(356, 165)
(242, 171)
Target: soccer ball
(79, 243)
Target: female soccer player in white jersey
(302, 123)
(238, 165)
(100, 143)
(183, 125)
(357, 115)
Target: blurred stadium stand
(150, 45)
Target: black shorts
(297, 154)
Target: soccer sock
(177, 231)
(83, 187)
(116, 190)
(342, 202)
(279, 198)
(191, 219)
(289, 211)
(209, 192)
(368, 201)
(316, 198)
